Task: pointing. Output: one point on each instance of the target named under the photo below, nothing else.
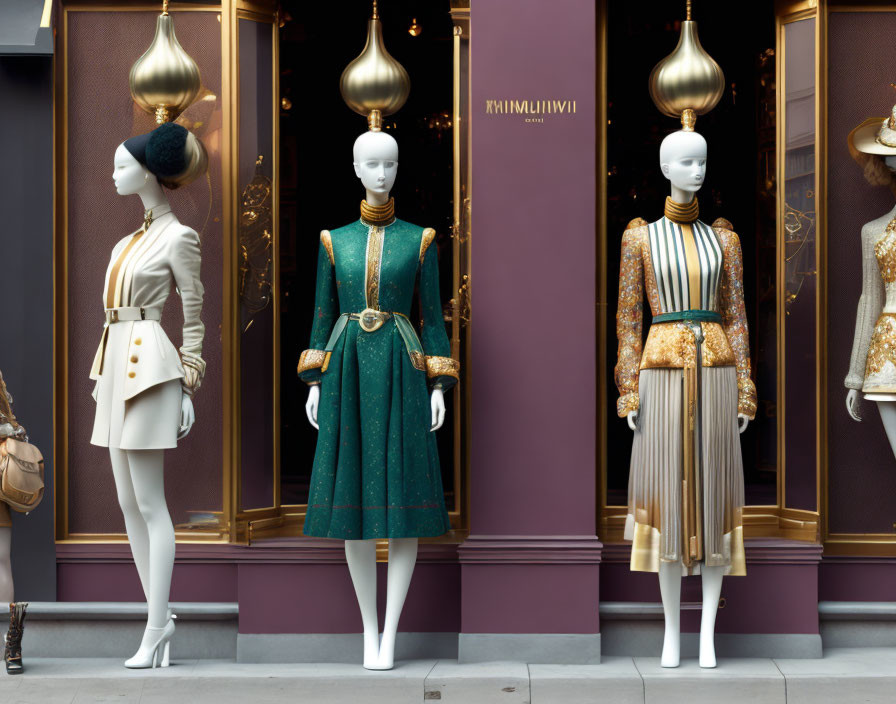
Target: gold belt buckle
(370, 320)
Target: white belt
(120, 315)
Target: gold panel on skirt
(880, 365)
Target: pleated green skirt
(376, 468)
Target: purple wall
(533, 191)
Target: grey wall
(26, 295)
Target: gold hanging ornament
(165, 80)
(375, 84)
(688, 82)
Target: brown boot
(13, 651)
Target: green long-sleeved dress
(376, 468)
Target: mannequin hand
(187, 416)
(632, 419)
(742, 422)
(437, 404)
(311, 405)
(853, 403)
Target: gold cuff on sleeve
(627, 403)
(311, 359)
(746, 397)
(442, 366)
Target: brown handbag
(21, 475)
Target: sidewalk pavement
(847, 675)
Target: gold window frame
(776, 520)
(287, 519)
(236, 525)
(852, 544)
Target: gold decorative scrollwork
(256, 233)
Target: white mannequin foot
(386, 659)
(371, 650)
(712, 590)
(152, 647)
(671, 650)
(670, 590)
(707, 651)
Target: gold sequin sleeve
(629, 314)
(734, 315)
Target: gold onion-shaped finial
(688, 82)
(375, 84)
(165, 80)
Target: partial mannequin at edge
(12, 655)
(376, 393)
(872, 366)
(144, 385)
(9, 428)
(685, 395)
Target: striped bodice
(687, 264)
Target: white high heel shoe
(166, 659)
(152, 647)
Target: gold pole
(688, 12)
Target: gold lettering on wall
(533, 111)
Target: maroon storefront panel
(779, 593)
(101, 115)
(533, 440)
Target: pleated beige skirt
(660, 497)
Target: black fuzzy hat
(162, 151)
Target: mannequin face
(376, 161)
(683, 160)
(129, 175)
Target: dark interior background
(319, 187)
(740, 186)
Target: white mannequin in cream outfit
(144, 387)
(877, 304)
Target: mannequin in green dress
(377, 393)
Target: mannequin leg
(888, 416)
(712, 590)
(670, 590)
(135, 526)
(6, 591)
(147, 474)
(361, 558)
(402, 559)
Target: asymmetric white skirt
(148, 421)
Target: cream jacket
(141, 272)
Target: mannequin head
(877, 161)
(376, 164)
(130, 175)
(683, 162)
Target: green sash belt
(709, 316)
(408, 334)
